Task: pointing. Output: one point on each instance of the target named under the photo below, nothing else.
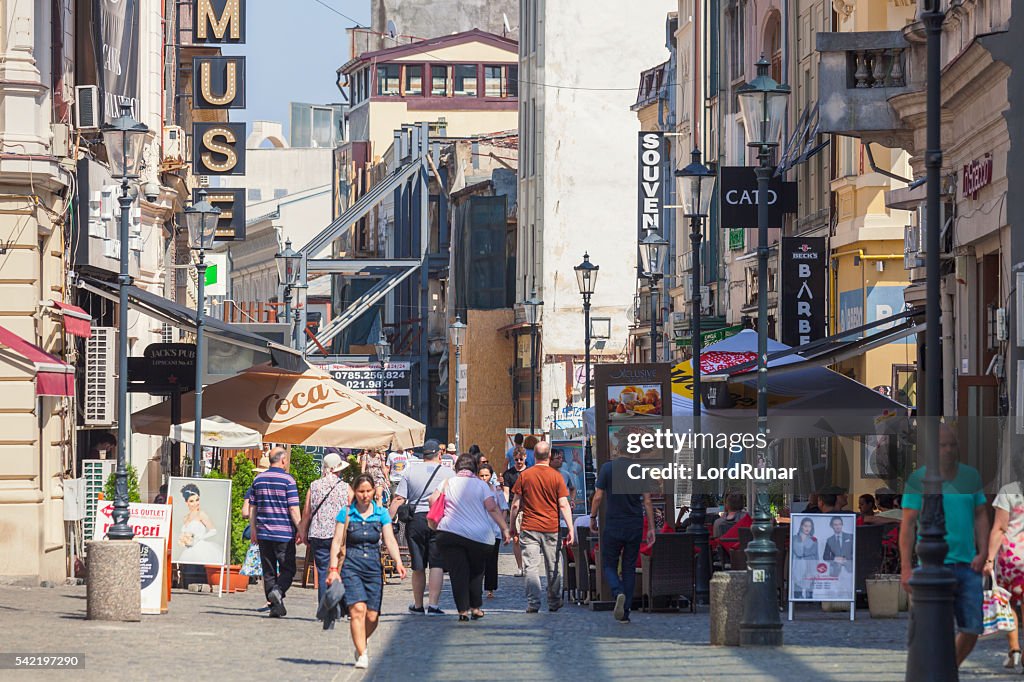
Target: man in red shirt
(541, 494)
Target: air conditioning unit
(60, 146)
(174, 147)
(95, 472)
(135, 243)
(912, 247)
(100, 405)
(88, 113)
(112, 248)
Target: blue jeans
(621, 543)
(967, 607)
(322, 560)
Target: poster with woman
(200, 520)
(822, 557)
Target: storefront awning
(76, 321)
(53, 376)
(184, 317)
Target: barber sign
(145, 520)
(803, 289)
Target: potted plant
(884, 591)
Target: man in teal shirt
(967, 527)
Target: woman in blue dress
(356, 549)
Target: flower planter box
(884, 595)
(235, 581)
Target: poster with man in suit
(838, 549)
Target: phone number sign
(395, 379)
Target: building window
(414, 80)
(253, 194)
(465, 80)
(494, 81)
(439, 81)
(388, 79)
(512, 86)
(736, 52)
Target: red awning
(53, 376)
(77, 322)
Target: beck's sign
(739, 198)
(803, 289)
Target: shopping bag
(252, 565)
(998, 614)
(436, 512)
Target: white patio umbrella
(218, 432)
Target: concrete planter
(884, 596)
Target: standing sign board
(152, 572)
(803, 289)
(201, 523)
(146, 520)
(822, 559)
(572, 464)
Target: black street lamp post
(533, 306)
(201, 219)
(289, 262)
(586, 278)
(652, 254)
(123, 140)
(930, 654)
(698, 189)
(383, 349)
(763, 106)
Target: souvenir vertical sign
(218, 83)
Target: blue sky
(292, 54)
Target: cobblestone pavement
(208, 638)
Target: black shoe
(414, 609)
(477, 616)
(624, 620)
(532, 609)
(554, 607)
(463, 618)
(277, 609)
(434, 611)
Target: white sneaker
(363, 662)
(1012, 660)
(620, 607)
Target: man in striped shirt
(274, 516)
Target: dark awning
(183, 317)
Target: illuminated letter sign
(219, 21)
(220, 82)
(231, 202)
(218, 148)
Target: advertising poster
(146, 520)
(200, 522)
(573, 467)
(822, 559)
(152, 569)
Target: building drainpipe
(948, 354)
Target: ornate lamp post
(586, 278)
(930, 654)
(763, 106)
(383, 356)
(698, 189)
(289, 263)
(533, 306)
(457, 335)
(124, 140)
(201, 218)
(653, 249)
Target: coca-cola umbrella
(310, 408)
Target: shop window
(439, 81)
(413, 80)
(388, 79)
(465, 80)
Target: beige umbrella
(301, 409)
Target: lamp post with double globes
(652, 254)
(289, 262)
(586, 278)
(124, 139)
(201, 218)
(697, 190)
(383, 349)
(457, 335)
(532, 306)
(763, 106)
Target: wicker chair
(669, 570)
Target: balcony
(858, 76)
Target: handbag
(436, 512)
(406, 511)
(318, 506)
(998, 614)
(252, 565)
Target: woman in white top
(465, 534)
(485, 474)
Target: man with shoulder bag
(410, 506)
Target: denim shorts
(969, 618)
